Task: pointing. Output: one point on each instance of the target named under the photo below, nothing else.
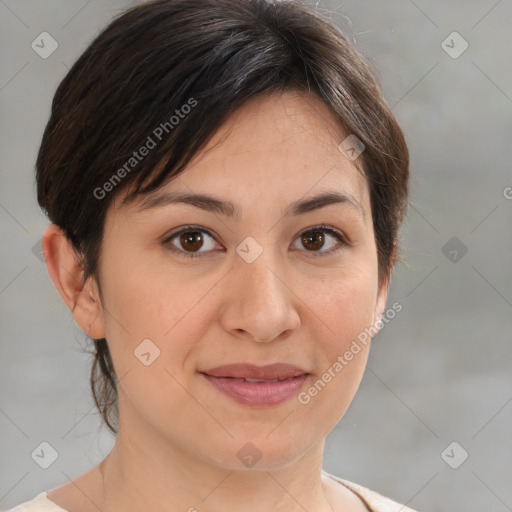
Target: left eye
(191, 239)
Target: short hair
(211, 56)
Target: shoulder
(372, 499)
(40, 503)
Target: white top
(38, 504)
(374, 501)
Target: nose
(260, 304)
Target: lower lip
(257, 393)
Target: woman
(225, 184)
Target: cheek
(147, 305)
(343, 307)
(143, 302)
(154, 331)
(342, 316)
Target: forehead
(285, 142)
(292, 124)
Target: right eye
(189, 239)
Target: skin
(178, 436)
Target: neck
(145, 472)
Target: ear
(382, 293)
(380, 305)
(67, 275)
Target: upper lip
(251, 371)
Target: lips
(251, 373)
(257, 386)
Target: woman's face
(265, 285)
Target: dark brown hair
(179, 68)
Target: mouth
(257, 385)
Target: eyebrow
(229, 209)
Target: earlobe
(67, 275)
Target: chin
(264, 452)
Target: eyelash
(315, 254)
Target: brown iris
(190, 239)
(313, 240)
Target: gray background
(438, 373)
